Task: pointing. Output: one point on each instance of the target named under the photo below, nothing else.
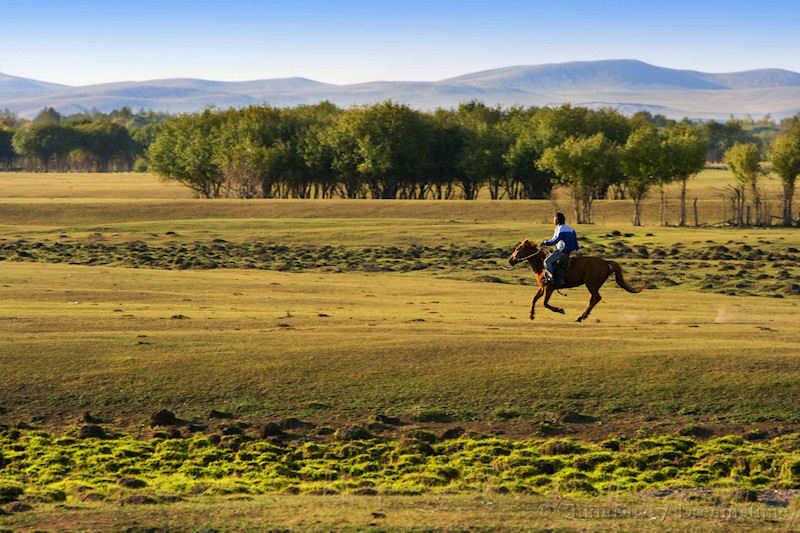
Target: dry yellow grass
(103, 339)
(488, 512)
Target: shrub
(790, 471)
(432, 415)
(10, 491)
(562, 447)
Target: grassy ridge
(53, 468)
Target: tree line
(85, 142)
(389, 150)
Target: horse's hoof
(560, 311)
(580, 319)
(531, 317)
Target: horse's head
(524, 250)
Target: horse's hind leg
(534, 300)
(548, 292)
(594, 299)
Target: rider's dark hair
(560, 218)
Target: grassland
(388, 336)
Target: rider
(566, 241)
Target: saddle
(558, 277)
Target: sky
(80, 42)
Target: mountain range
(625, 84)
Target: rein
(521, 259)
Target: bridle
(521, 259)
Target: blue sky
(346, 41)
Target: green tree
(586, 165)
(341, 140)
(481, 159)
(456, 138)
(550, 127)
(785, 157)
(9, 119)
(6, 148)
(521, 159)
(146, 134)
(245, 151)
(449, 140)
(744, 161)
(314, 156)
(185, 150)
(48, 115)
(722, 136)
(685, 149)
(393, 144)
(45, 142)
(643, 163)
(318, 156)
(106, 142)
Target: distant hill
(13, 86)
(626, 84)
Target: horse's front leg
(534, 300)
(548, 292)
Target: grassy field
(388, 332)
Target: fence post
(694, 208)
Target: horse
(582, 270)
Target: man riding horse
(582, 270)
(566, 241)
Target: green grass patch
(46, 468)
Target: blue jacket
(566, 234)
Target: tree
(146, 134)
(447, 148)
(341, 140)
(9, 119)
(520, 161)
(644, 118)
(744, 161)
(785, 157)
(44, 142)
(586, 165)
(318, 157)
(185, 150)
(247, 153)
(643, 162)
(6, 148)
(105, 142)
(48, 115)
(313, 154)
(550, 127)
(393, 142)
(722, 136)
(482, 158)
(685, 154)
(457, 150)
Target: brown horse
(589, 271)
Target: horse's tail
(617, 270)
